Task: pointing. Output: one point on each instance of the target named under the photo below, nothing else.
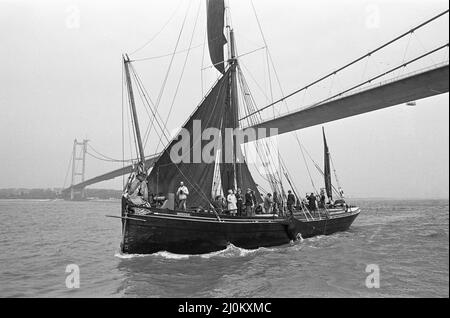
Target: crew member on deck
(312, 202)
(322, 198)
(182, 194)
(290, 201)
(138, 187)
(219, 204)
(254, 201)
(341, 193)
(276, 202)
(239, 202)
(268, 204)
(248, 202)
(231, 202)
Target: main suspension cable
(352, 62)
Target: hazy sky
(61, 78)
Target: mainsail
(327, 170)
(216, 38)
(197, 176)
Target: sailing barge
(147, 228)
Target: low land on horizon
(93, 193)
(55, 193)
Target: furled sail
(196, 174)
(327, 170)
(216, 38)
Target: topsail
(216, 38)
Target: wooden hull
(193, 233)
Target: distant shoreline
(55, 194)
(49, 194)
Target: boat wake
(128, 256)
(230, 252)
(234, 251)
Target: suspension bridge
(378, 92)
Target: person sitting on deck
(182, 194)
(137, 192)
(231, 203)
(136, 187)
(219, 204)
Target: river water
(406, 242)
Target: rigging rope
(143, 96)
(182, 73)
(123, 127)
(159, 32)
(335, 174)
(161, 92)
(269, 56)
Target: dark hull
(185, 233)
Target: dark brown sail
(327, 170)
(248, 181)
(216, 39)
(196, 174)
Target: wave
(234, 251)
(230, 251)
(129, 256)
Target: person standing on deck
(248, 203)
(312, 202)
(231, 203)
(268, 204)
(322, 198)
(290, 201)
(182, 194)
(276, 203)
(239, 202)
(254, 201)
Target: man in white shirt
(182, 194)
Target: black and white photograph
(239, 150)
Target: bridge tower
(79, 156)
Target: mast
(327, 170)
(233, 115)
(235, 108)
(126, 61)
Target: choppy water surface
(408, 240)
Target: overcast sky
(61, 78)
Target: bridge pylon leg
(78, 156)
